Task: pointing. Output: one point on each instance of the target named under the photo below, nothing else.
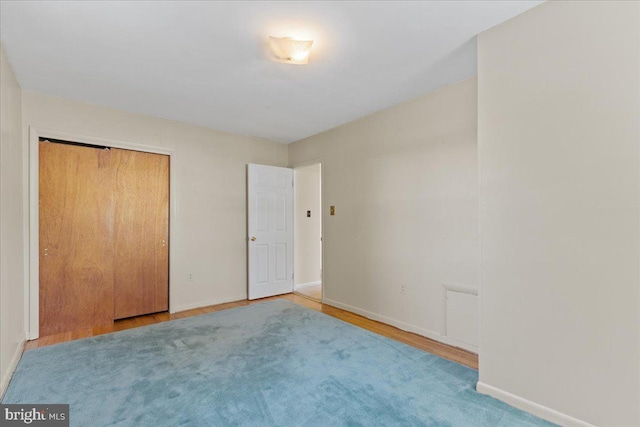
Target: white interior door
(270, 230)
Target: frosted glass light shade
(286, 49)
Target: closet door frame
(31, 205)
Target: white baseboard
(6, 378)
(402, 325)
(304, 285)
(207, 303)
(531, 407)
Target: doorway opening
(308, 231)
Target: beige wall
(12, 223)
(210, 172)
(404, 184)
(308, 247)
(559, 114)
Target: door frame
(299, 165)
(32, 249)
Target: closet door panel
(141, 233)
(76, 238)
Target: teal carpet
(269, 364)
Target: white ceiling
(206, 62)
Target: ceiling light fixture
(290, 51)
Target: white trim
(306, 285)
(207, 303)
(33, 328)
(32, 190)
(479, 215)
(453, 342)
(26, 266)
(533, 408)
(6, 378)
(402, 325)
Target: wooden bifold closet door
(141, 233)
(104, 227)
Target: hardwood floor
(314, 292)
(445, 351)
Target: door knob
(253, 238)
